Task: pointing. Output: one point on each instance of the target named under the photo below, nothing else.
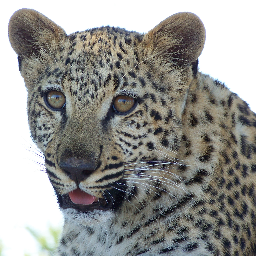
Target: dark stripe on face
(113, 166)
(52, 175)
(49, 163)
(115, 176)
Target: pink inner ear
(80, 197)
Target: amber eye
(123, 104)
(55, 100)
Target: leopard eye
(55, 100)
(123, 104)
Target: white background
(26, 197)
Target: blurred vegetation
(1, 248)
(47, 243)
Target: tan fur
(175, 175)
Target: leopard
(146, 154)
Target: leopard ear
(179, 39)
(31, 33)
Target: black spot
(156, 115)
(134, 231)
(132, 74)
(246, 148)
(193, 120)
(158, 241)
(167, 249)
(213, 213)
(236, 181)
(248, 232)
(234, 155)
(120, 240)
(244, 170)
(122, 48)
(117, 64)
(116, 82)
(242, 243)
(163, 102)
(237, 166)
(142, 81)
(191, 247)
(244, 109)
(235, 239)
(83, 37)
(108, 79)
(150, 145)
(230, 99)
(128, 40)
(253, 168)
(208, 116)
(226, 158)
(180, 239)
(153, 97)
(230, 200)
(67, 61)
(72, 37)
(195, 67)
(198, 178)
(158, 130)
(226, 243)
(125, 84)
(207, 154)
(206, 138)
(119, 55)
(198, 203)
(244, 121)
(193, 98)
(182, 167)
(221, 182)
(219, 84)
(229, 185)
(149, 75)
(165, 142)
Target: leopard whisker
(121, 190)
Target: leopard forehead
(94, 66)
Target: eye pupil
(55, 99)
(123, 104)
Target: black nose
(77, 169)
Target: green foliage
(47, 243)
(1, 248)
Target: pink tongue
(80, 197)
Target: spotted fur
(175, 175)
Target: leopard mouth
(81, 201)
(84, 202)
(78, 196)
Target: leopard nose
(77, 169)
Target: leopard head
(105, 105)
